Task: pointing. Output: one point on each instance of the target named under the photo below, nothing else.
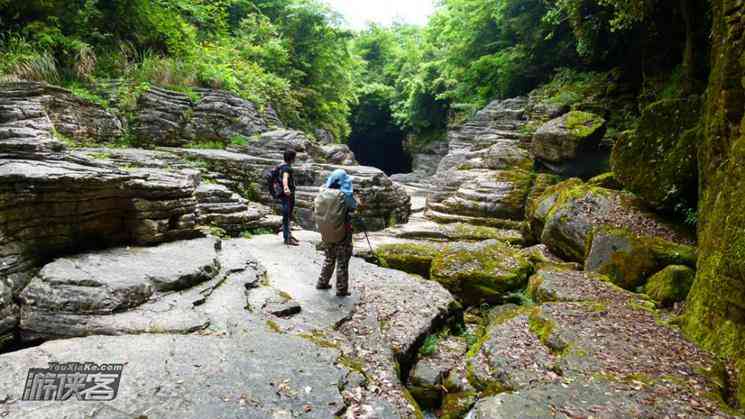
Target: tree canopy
(296, 56)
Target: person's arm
(286, 183)
(352, 203)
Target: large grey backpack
(330, 211)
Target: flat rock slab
(113, 280)
(272, 301)
(423, 229)
(267, 375)
(551, 284)
(510, 356)
(577, 400)
(295, 270)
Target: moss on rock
(629, 260)
(606, 180)
(457, 405)
(583, 124)
(481, 272)
(670, 285)
(658, 160)
(415, 258)
(564, 138)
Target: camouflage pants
(337, 254)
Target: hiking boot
(291, 243)
(320, 286)
(343, 293)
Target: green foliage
(85, 94)
(287, 53)
(239, 140)
(206, 145)
(429, 347)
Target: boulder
(565, 144)
(565, 216)
(422, 229)
(629, 260)
(480, 272)
(606, 180)
(509, 356)
(658, 161)
(540, 256)
(457, 405)
(415, 258)
(671, 285)
(339, 154)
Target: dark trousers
(288, 205)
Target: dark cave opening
(376, 140)
(381, 150)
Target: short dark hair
(290, 155)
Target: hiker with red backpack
(333, 210)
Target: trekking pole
(368, 243)
(364, 230)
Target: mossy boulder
(567, 139)
(480, 272)
(564, 217)
(539, 208)
(569, 223)
(658, 161)
(415, 258)
(671, 285)
(629, 260)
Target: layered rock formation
(485, 177)
(54, 202)
(168, 118)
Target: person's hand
(287, 191)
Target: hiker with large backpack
(281, 184)
(333, 210)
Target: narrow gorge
(572, 247)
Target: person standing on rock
(333, 210)
(287, 199)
